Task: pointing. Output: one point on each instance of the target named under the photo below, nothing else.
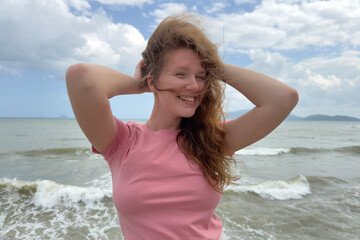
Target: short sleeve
(121, 142)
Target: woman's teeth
(188, 99)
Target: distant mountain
(320, 117)
(62, 116)
(291, 117)
(235, 114)
(238, 113)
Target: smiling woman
(169, 173)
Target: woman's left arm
(273, 102)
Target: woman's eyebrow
(185, 68)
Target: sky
(311, 45)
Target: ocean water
(300, 182)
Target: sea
(300, 182)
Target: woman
(168, 174)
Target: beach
(300, 182)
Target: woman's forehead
(183, 59)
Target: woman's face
(183, 74)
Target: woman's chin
(188, 114)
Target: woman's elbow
(79, 77)
(291, 98)
(75, 72)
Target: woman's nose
(192, 84)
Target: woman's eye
(200, 78)
(180, 74)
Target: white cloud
(271, 63)
(282, 25)
(241, 2)
(347, 65)
(97, 50)
(323, 83)
(341, 72)
(194, 9)
(216, 7)
(45, 35)
(166, 10)
(126, 2)
(6, 72)
(79, 5)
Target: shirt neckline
(162, 131)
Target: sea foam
(44, 209)
(262, 151)
(294, 188)
(48, 194)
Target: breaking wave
(294, 188)
(295, 150)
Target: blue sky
(311, 45)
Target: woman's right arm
(90, 87)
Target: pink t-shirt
(157, 192)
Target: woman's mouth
(187, 99)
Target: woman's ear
(150, 82)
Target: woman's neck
(157, 123)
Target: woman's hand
(140, 67)
(138, 75)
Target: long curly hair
(201, 137)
